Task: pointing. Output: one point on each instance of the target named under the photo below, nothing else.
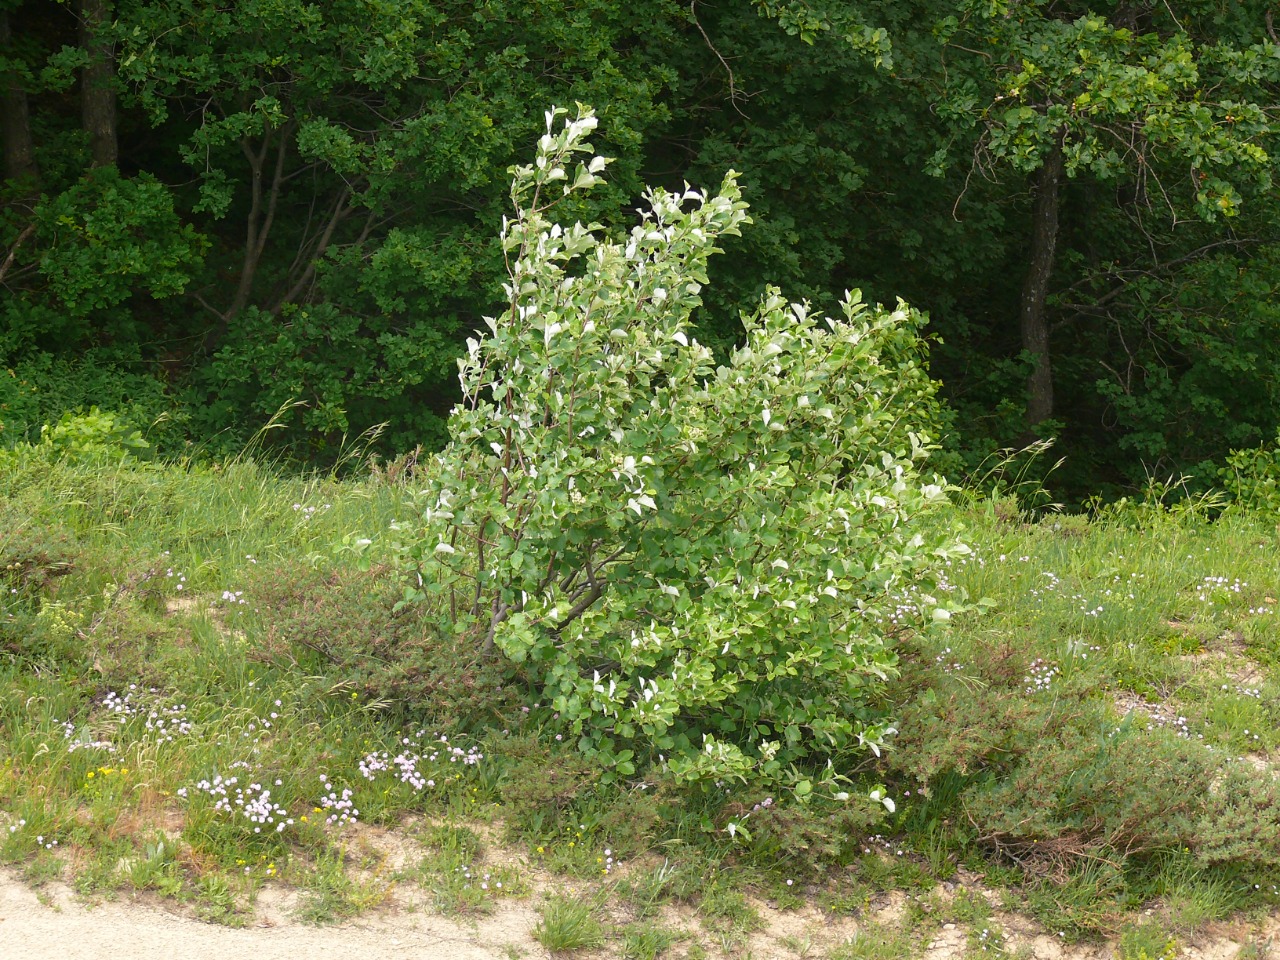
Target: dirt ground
(55, 925)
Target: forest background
(212, 209)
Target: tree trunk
(1032, 319)
(97, 95)
(262, 214)
(15, 121)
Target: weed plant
(646, 942)
(875, 941)
(569, 924)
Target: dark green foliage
(103, 240)
(799, 840)
(306, 198)
(40, 387)
(546, 786)
(1053, 782)
(340, 623)
(1240, 824)
(352, 373)
(1252, 477)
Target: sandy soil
(55, 925)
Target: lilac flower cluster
(168, 722)
(1051, 585)
(1040, 674)
(406, 768)
(989, 941)
(880, 843)
(484, 880)
(122, 707)
(81, 740)
(43, 842)
(1209, 586)
(945, 661)
(1178, 724)
(1254, 692)
(407, 765)
(162, 722)
(342, 806)
(252, 802)
(468, 758)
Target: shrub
(1052, 780)
(33, 557)
(339, 623)
(810, 838)
(91, 435)
(40, 388)
(694, 564)
(1241, 823)
(1252, 477)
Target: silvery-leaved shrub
(698, 566)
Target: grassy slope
(166, 626)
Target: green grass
(332, 894)
(127, 681)
(167, 628)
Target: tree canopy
(210, 210)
